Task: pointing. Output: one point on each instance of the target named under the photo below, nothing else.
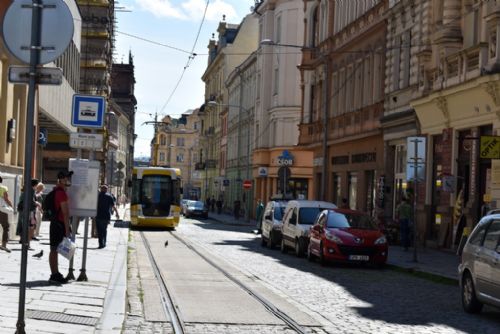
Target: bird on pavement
(38, 255)
(166, 243)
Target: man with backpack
(57, 207)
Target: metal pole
(250, 191)
(36, 11)
(74, 227)
(325, 133)
(415, 194)
(83, 270)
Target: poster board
(84, 187)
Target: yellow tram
(156, 197)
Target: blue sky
(173, 23)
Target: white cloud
(190, 9)
(161, 8)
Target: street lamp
(325, 103)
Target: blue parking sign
(88, 111)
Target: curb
(423, 274)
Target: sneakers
(57, 278)
(4, 248)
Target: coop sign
(285, 159)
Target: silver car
(271, 223)
(479, 269)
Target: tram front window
(156, 195)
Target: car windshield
(278, 212)
(357, 221)
(196, 204)
(308, 215)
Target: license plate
(359, 257)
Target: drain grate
(61, 317)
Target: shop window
(353, 190)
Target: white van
(299, 217)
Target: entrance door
(353, 190)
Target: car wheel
(298, 248)
(283, 246)
(470, 302)
(270, 243)
(263, 241)
(310, 255)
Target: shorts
(57, 232)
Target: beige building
(458, 105)
(179, 147)
(235, 42)
(278, 104)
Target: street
(337, 298)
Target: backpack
(49, 205)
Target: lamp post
(325, 102)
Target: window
(180, 157)
(180, 142)
(162, 156)
(195, 125)
(493, 236)
(477, 237)
(163, 140)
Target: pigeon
(166, 243)
(38, 255)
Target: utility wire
(190, 59)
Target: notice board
(84, 187)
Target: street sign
(88, 111)
(44, 75)
(88, 141)
(247, 184)
(56, 29)
(490, 147)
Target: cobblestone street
(345, 299)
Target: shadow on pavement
(31, 284)
(392, 297)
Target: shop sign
(490, 147)
(285, 159)
(263, 171)
(364, 157)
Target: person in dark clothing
(212, 204)
(105, 206)
(237, 209)
(218, 204)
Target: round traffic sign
(56, 30)
(247, 184)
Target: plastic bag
(4, 207)
(66, 248)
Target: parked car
(346, 235)
(298, 218)
(196, 208)
(479, 269)
(272, 222)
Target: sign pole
(415, 195)
(36, 13)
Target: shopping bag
(66, 248)
(4, 207)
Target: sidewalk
(95, 306)
(429, 261)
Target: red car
(345, 235)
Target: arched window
(163, 140)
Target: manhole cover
(61, 317)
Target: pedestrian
(404, 214)
(237, 208)
(258, 214)
(59, 224)
(39, 211)
(105, 206)
(218, 204)
(345, 204)
(31, 217)
(212, 204)
(4, 216)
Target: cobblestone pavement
(346, 299)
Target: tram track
(172, 311)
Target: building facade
(458, 107)
(343, 92)
(280, 167)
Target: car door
(285, 229)
(267, 221)
(315, 234)
(490, 257)
(290, 226)
(474, 257)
